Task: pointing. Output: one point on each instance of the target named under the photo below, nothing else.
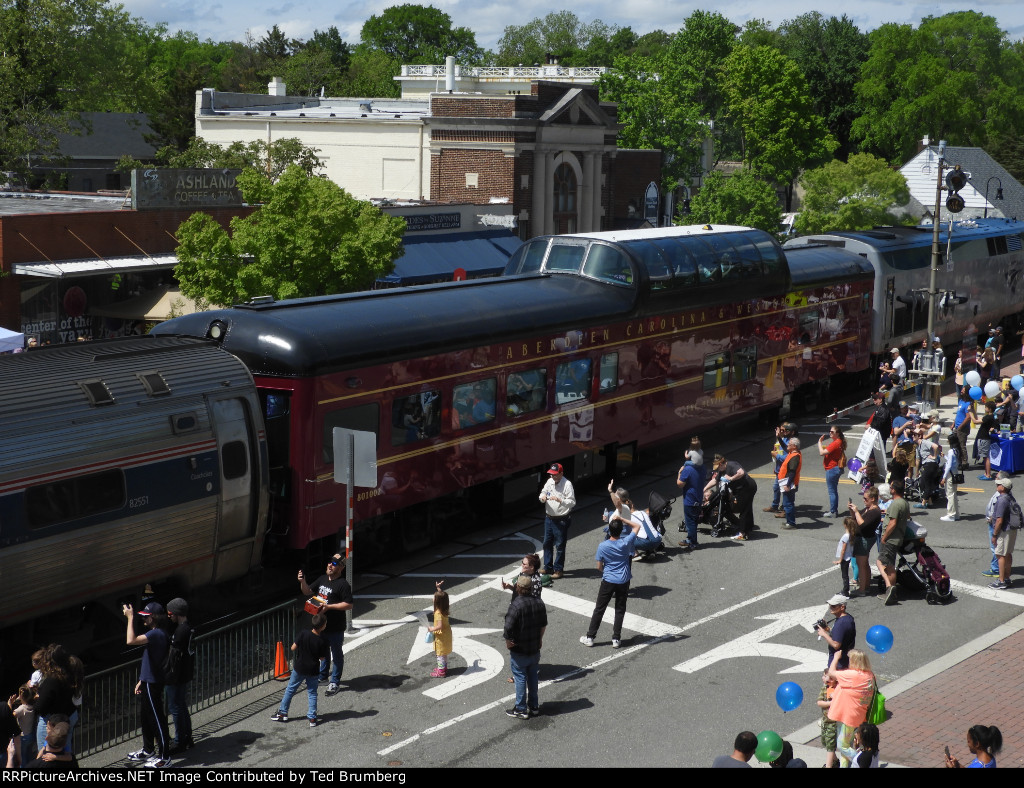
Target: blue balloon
(789, 695)
(976, 393)
(879, 638)
(1017, 381)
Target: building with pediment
(550, 152)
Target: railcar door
(239, 471)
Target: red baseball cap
(555, 468)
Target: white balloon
(991, 389)
(972, 378)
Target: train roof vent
(96, 392)
(880, 235)
(154, 383)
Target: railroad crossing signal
(956, 179)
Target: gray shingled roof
(981, 168)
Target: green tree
(371, 74)
(420, 34)
(830, 53)
(858, 194)
(567, 37)
(674, 101)
(309, 237)
(955, 77)
(268, 160)
(768, 99)
(742, 199)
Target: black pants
(154, 720)
(604, 595)
(930, 475)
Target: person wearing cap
(899, 366)
(881, 418)
(740, 491)
(789, 482)
(334, 588)
(897, 514)
(559, 500)
(178, 672)
(1006, 521)
(525, 624)
(841, 635)
(990, 508)
(903, 426)
(691, 481)
(150, 687)
(783, 433)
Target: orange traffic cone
(281, 671)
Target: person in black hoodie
(179, 669)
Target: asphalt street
(708, 638)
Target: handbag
(958, 477)
(876, 712)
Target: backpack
(1015, 518)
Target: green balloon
(769, 746)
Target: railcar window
(809, 322)
(684, 267)
(608, 264)
(744, 363)
(526, 391)
(473, 403)
(708, 269)
(609, 372)
(234, 460)
(527, 258)
(732, 264)
(565, 257)
(276, 405)
(361, 417)
(771, 255)
(716, 370)
(416, 417)
(748, 253)
(997, 245)
(572, 381)
(72, 499)
(658, 268)
(909, 259)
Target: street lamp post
(999, 192)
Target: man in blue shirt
(150, 687)
(613, 556)
(691, 480)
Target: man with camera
(841, 635)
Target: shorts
(862, 545)
(887, 554)
(829, 734)
(1005, 541)
(983, 446)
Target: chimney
(449, 73)
(276, 87)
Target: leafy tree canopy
(858, 194)
(309, 237)
(768, 100)
(742, 199)
(420, 34)
(955, 77)
(564, 35)
(268, 160)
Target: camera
(821, 624)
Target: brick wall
(631, 172)
(473, 106)
(448, 175)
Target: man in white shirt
(899, 366)
(559, 500)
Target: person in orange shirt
(789, 482)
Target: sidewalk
(980, 683)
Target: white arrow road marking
(585, 608)
(482, 661)
(752, 644)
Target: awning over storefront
(11, 340)
(163, 303)
(435, 258)
(92, 266)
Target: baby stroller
(660, 509)
(924, 571)
(716, 512)
(912, 491)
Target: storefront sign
(193, 188)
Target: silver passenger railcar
(122, 463)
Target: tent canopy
(11, 340)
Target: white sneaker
(588, 642)
(949, 519)
(616, 643)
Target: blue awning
(435, 258)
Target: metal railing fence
(229, 661)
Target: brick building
(551, 152)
